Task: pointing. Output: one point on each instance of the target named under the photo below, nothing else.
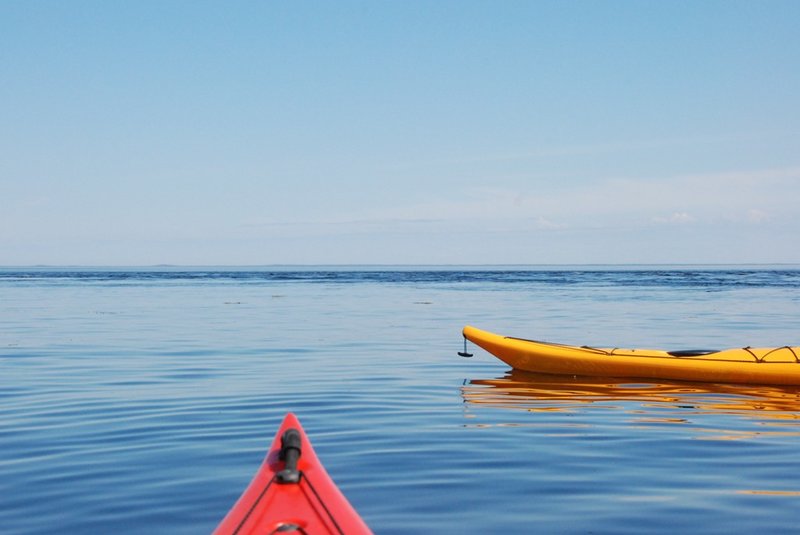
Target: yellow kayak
(775, 365)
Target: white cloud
(543, 223)
(757, 216)
(677, 218)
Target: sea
(142, 400)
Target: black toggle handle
(465, 353)
(290, 454)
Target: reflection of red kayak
(292, 493)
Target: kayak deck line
(287, 527)
(745, 365)
(290, 453)
(695, 354)
(292, 493)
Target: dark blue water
(142, 400)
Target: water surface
(142, 400)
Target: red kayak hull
(312, 505)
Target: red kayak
(292, 492)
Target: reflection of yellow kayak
(535, 392)
(765, 410)
(778, 365)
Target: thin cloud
(712, 198)
(591, 149)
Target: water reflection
(758, 410)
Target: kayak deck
(292, 493)
(778, 365)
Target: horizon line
(378, 265)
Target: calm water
(142, 401)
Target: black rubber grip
(290, 454)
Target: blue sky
(139, 133)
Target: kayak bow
(292, 493)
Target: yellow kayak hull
(777, 365)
